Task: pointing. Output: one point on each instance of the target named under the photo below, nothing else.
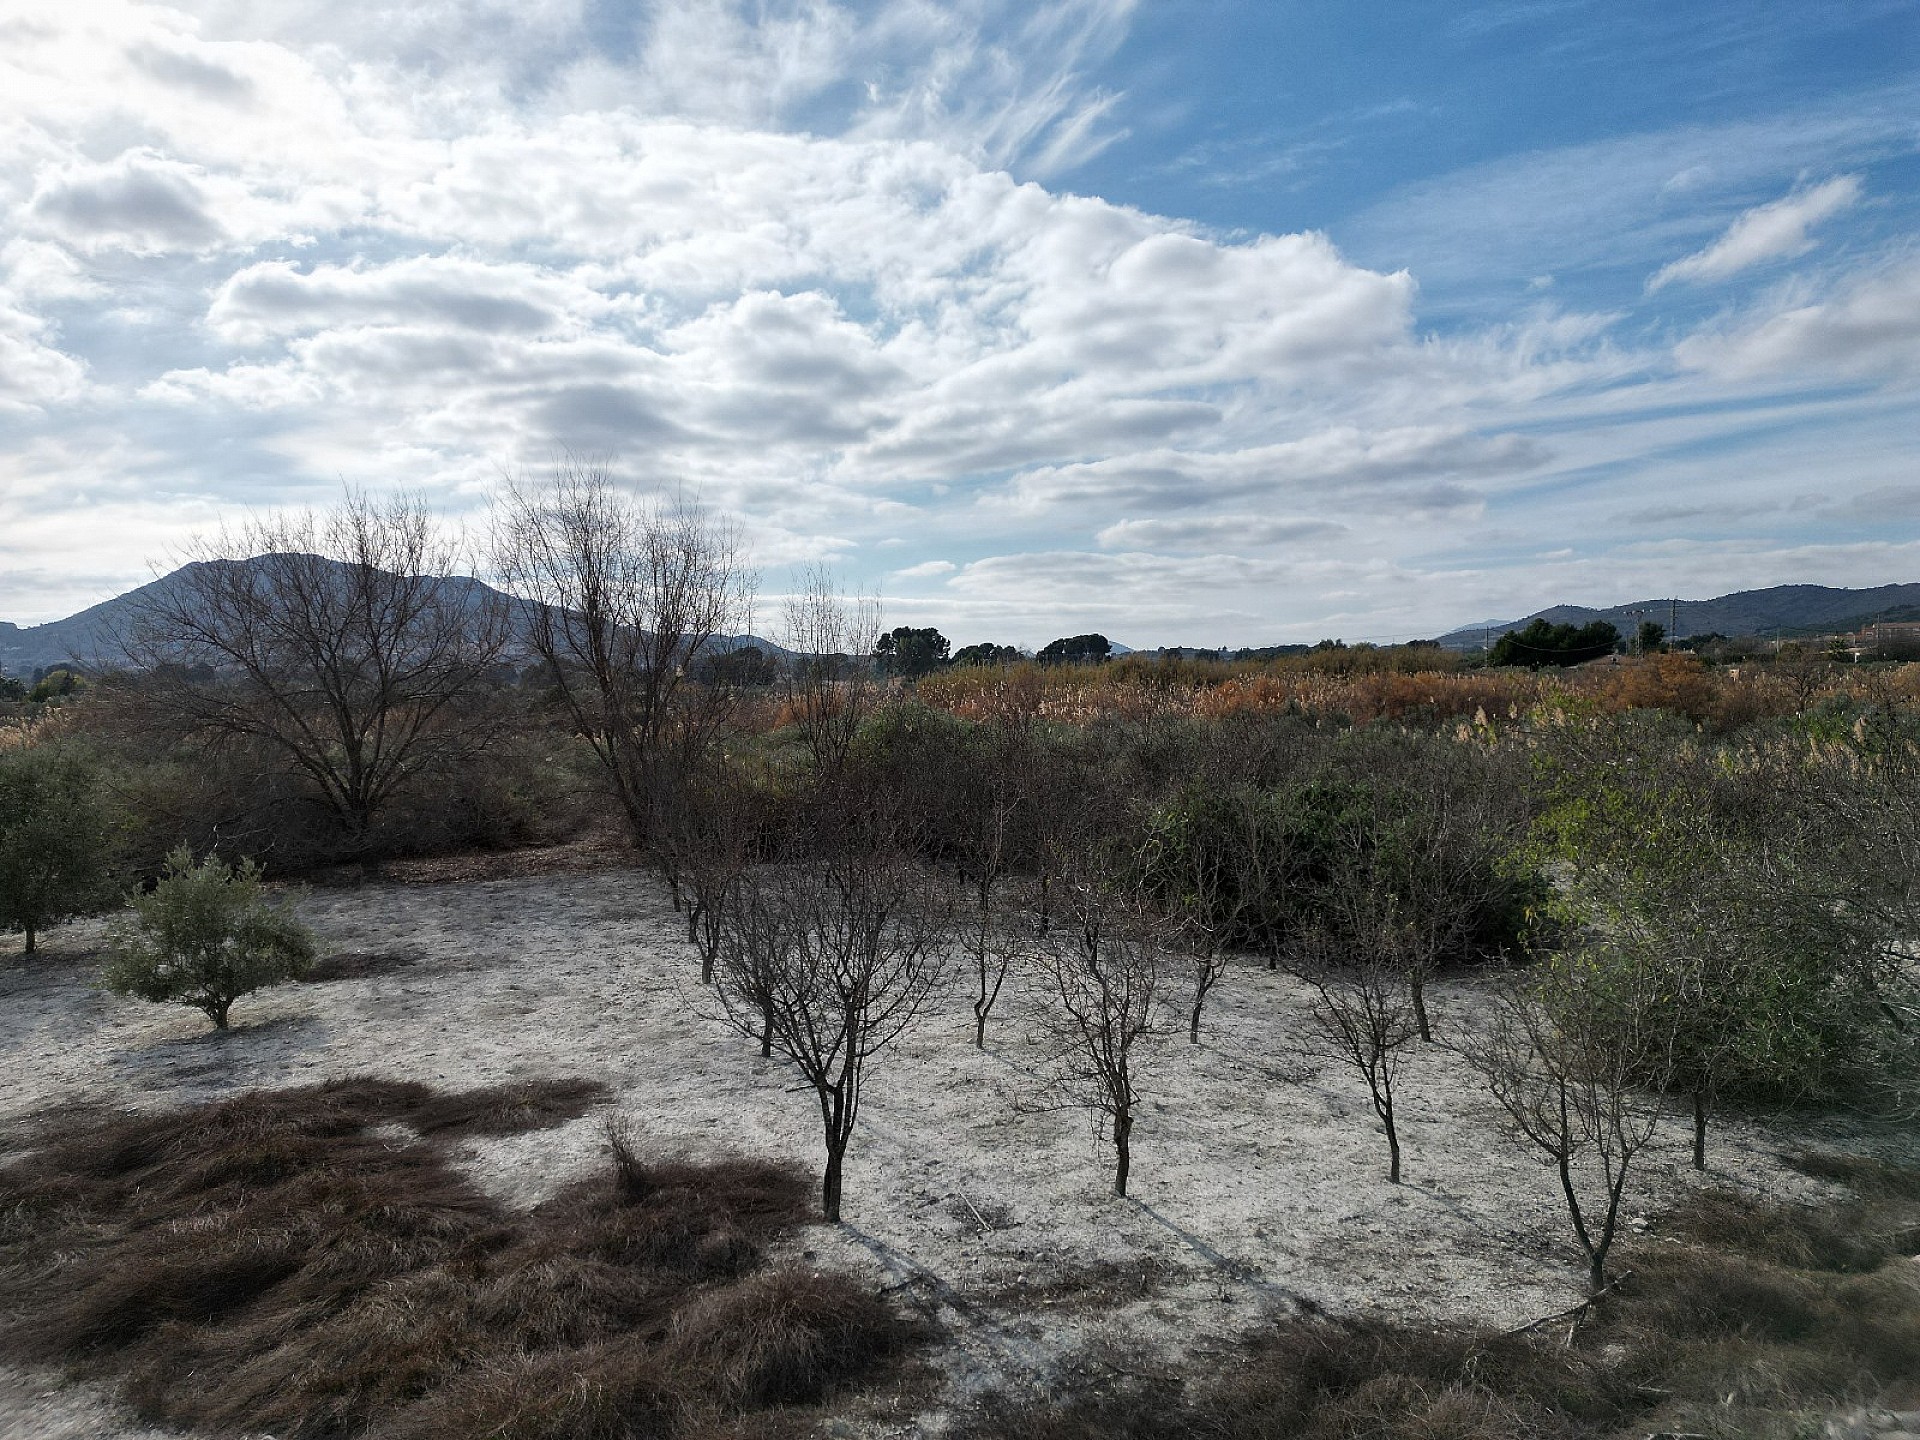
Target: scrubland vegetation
(1674, 891)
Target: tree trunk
(979, 1028)
(706, 964)
(30, 945)
(1419, 982)
(1193, 1020)
(217, 1012)
(1393, 1143)
(1596, 1274)
(830, 1182)
(1123, 1153)
(1699, 1130)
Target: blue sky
(1192, 322)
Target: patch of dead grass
(308, 1263)
(1740, 1319)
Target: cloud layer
(817, 262)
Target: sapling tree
(990, 810)
(1567, 1064)
(994, 944)
(716, 833)
(1364, 1018)
(205, 935)
(755, 943)
(829, 961)
(1442, 854)
(1101, 989)
(55, 840)
(1215, 861)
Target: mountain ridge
(1777, 609)
(86, 637)
(89, 638)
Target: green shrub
(204, 936)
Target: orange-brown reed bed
(1719, 697)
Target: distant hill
(91, 638)
(1783, 609)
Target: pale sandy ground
(1250, 1192)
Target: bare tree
(756, 944)
(715, 832)
(994, 944)
(1216, 861)
(1447, 827)
(830, 677)
(1102, 990)
(990, 806)
(1363, 1017)
(1567, 1070)
(829, 962)
(1358, 954)
(626, 594)
(345, 642)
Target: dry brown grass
(1740, 1320)
(1411, 686)
(309, 1263)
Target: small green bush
(204, 936)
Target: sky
(1204, 322)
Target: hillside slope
(1786, 609)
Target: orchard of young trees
(1687, 892)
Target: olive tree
(204, 936)
(1709, 883)
(55, 840)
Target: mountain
(81, 639)
(1781, 609)
(90, 639)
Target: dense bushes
(56, 840)
(1753, 891)
(533, 783)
